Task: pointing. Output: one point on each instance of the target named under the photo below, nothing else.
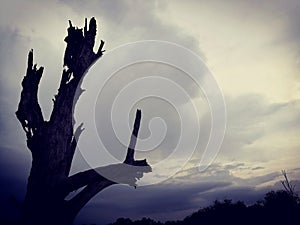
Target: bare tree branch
(287, 184)
(29, 112)
(95, 180)
(130, 152)
(73, 146)
(76, 203)
(126, 173)
(79, 56)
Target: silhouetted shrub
(276, 207)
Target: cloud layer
(252, 47)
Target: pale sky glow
(252, 48)
(246, 44)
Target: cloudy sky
(251, 49)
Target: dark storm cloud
(177, 197)
(159, 202)
(13, 179)
(248, 110)
(14, 157)
(129, 21)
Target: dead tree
(53, 143)
(288, 186)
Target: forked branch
(99, 178)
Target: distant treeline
(277, 207)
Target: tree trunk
(53, 143)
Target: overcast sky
(251, 48)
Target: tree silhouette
(53, 143)
(276, 208)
